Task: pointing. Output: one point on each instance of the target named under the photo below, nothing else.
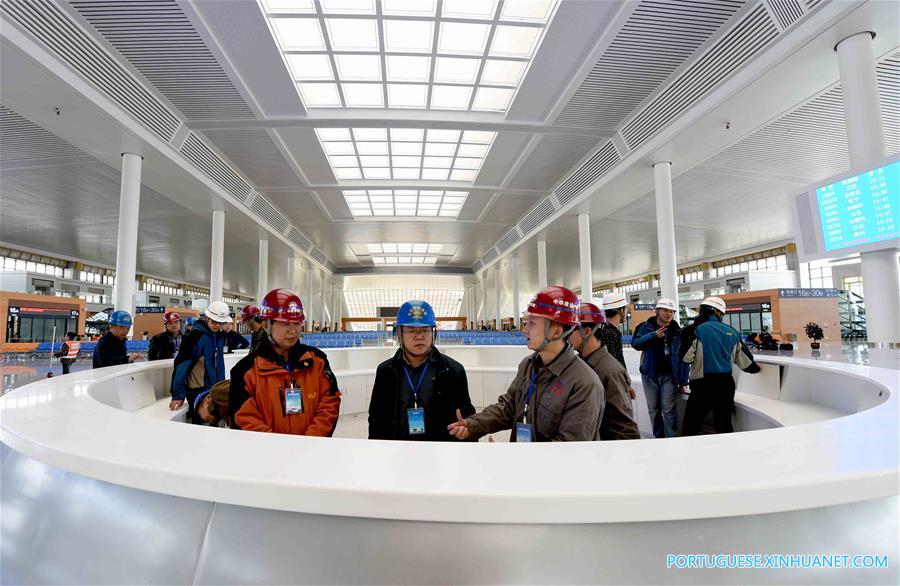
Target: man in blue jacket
(199, 363)
(712, 347)
(662, 371)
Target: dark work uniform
(257, 338)
(163, 346)
(234, 341)
(443, 390)
(110, 351)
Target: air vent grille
(554, 155)
(477, 266)
(656, 39)
(50, 25)
(318, 256)
(786, 11)
(508, 240)
(267, 212)
(594, 168)
(742, 42)
(24, 140)
(537, 215)
(158, 40)
(209, 162)
(810, 142)
(299, 239)
(256, 155)
(488, 256)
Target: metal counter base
(62, 528)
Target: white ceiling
(599, 66)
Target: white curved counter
(62, 423)
(88, 424)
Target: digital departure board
(862, 209)
(855, 212)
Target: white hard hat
(614, 301)
(218, 312)
(715, 303)
(666, 304)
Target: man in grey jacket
(618, 422)
(555, 395)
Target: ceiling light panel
(407, 153)
(405, 203)
(468, 55)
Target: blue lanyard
(415, 388)
(290, 371)
(528, 396)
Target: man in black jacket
(164, 346)
(110, 349)
(417, 393)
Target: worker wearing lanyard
(417, 392)
(555, 396)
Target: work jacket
(163, 346)
(257, 394)
(109, 351)
(714, 347)
(199, 363)
(618, 421)
(449, 392)
(653, 348)
(566, 403)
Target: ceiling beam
(358, 118)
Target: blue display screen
(862, 209)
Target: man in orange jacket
(284, 386)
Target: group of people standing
(574, 386)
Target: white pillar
(862, 108)
(497, 312)
(665, 232)
(217, 262)
(542, 263)
(584, 253)
(514, 265)
(308, 302)
(126, 253)
(324, 313)
(262, 275)
(482, 314)
(865, 135)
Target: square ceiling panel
(468, 55)
(405, 202)
(405, 153)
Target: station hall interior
(166, 157)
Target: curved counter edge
(832, 462)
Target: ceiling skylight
(472, 56)
(404, 253)
(405, 202)
(406, 153)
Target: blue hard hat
(416, 313)
(120, 318)
(190, 321)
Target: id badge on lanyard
(293, 397)
(415, 417)
(524, 430)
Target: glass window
(745, 323)
(767, 321)
(755, 322)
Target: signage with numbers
(861, 209)
(149, 309)
(854, 212)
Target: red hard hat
(556, 304)
(282, 305)
(588, 313)
(170, 316)
(249, 311)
